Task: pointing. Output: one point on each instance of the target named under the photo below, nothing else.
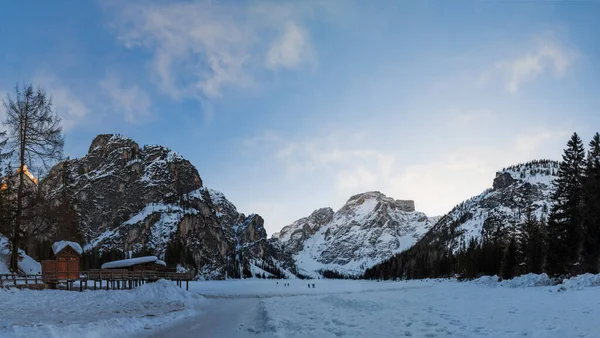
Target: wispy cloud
(200, 48)
(133, 102)
(66, 103)
(434, 184)
(543, 55)
(290, 49)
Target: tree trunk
(14, 258)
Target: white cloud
(65, 103)
(545, 55)
(199, 48)
(344, 165)
(290, 49)
(131, 101)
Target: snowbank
(528, 280)
(54, 313)
(59, 246)
(533, 280)
(580, 282)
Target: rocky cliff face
(148, 199)
(500, 209)
(369, 228)
(295, 234)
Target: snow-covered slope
(499, 209)
(27, 264)
(369, 228)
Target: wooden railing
(110, 274)
(119, 275)
(123, 279)
(21, 281)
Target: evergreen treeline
(567, 243)
(332, 274)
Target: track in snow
(232, 317)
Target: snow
(161, 231)
(528, 280)
(363, 233)
(114, 313)
(26, 264)
(130, 262)
(580, 282)
(59, 246)
(266, 308)
(418, 308)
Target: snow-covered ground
(528, 306)
(115, 313)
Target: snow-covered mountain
(369, 228)
(150, 199)
(498, 209)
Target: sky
(290, 106)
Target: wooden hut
(65, 265)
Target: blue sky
(291, 106)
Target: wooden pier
(94, 279)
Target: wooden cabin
(146, 263)
(65, 265)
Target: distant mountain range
(132, 200)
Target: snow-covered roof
(59, 246)
(130, 262)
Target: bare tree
(5, 188)
(35, 135)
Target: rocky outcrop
(295, 234)
(149, 199)
(503, 180)
(408, 205)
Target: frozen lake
(388, 309)
(268, 308)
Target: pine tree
(565, 221)
(530, 242)
(509, 260)
(591, 211)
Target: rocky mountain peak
(372, 200)
(367, 229)
(106, 143)
(151, 199)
